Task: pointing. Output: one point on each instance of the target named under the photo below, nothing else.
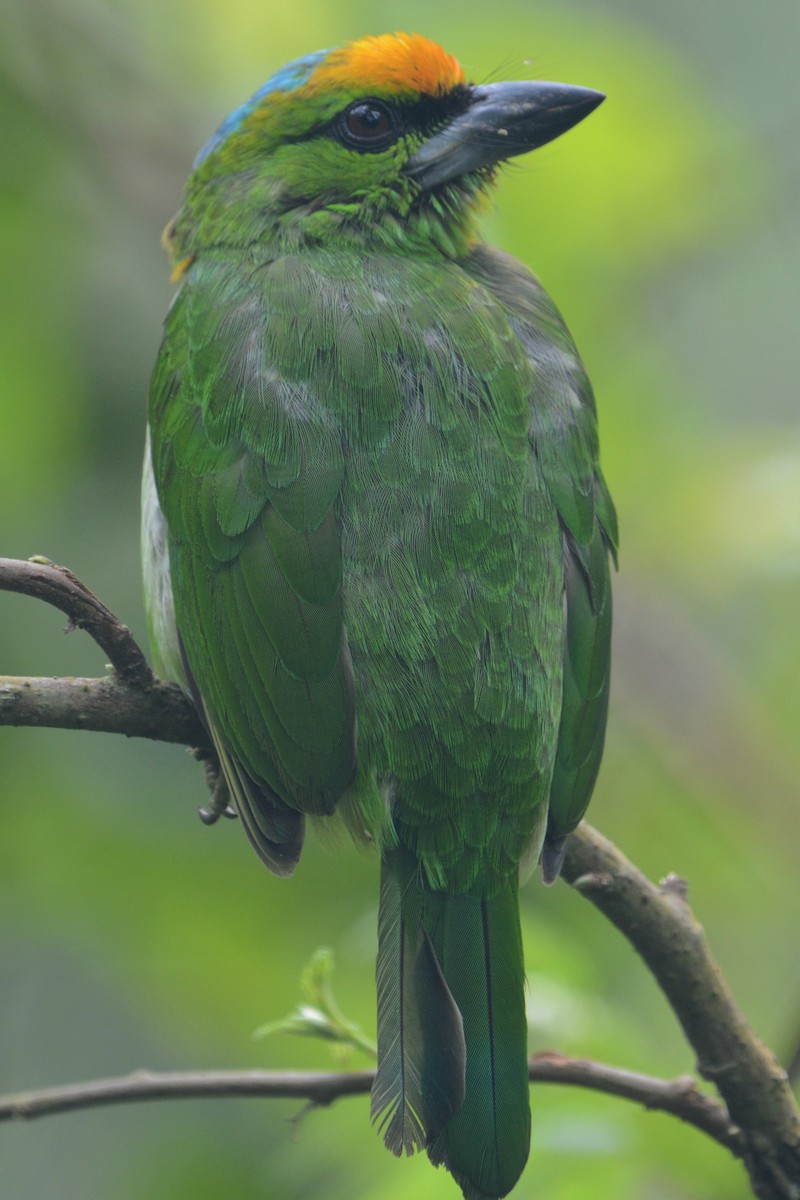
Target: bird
(378, 544)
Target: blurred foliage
(666, 227)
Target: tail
(421, 1055)
(452, 1035)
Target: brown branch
(131, 701)
(318, 1087)
(659, 924)
(679, 1097)
(158, 711)
(40, 578)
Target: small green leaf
(321, 1016)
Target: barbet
(376, 541)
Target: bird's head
(380, 137)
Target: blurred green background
(666, 227)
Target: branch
(318, 1087)
(131, 701)
(58, 586)
(680, 1097)
(158, 711)
(659, 924)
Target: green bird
(376, 541)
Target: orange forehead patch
(393, 62)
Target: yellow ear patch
(170, 243)
(393, 62)
(179, 270)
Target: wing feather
(248, 464)
(563, 435)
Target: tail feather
(485, 1145)
(452, 1036)
(421, 1055)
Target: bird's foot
(220, 802)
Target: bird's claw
(210, 816)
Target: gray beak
(502, 120)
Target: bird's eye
(368, 125)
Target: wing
(248, 466)
(587, 661)
(563, 435)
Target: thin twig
(319, 1087)
(680, 1097)
(661, 927)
